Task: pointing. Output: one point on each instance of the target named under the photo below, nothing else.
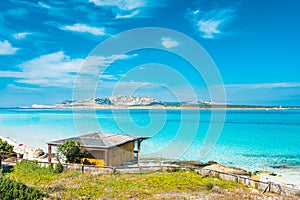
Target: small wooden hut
(112, 149)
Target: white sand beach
(287, 178)
(20, 148)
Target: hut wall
(120, 154)
(94, 157)
(97, 154)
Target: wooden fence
(247, 180)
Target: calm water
(253, 140)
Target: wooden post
(49, 153)
(139, 150)
(106, 157)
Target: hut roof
(100, 140)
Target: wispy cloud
(83, 28)
(264, 93)
(123, 9)
(6, 48)
(43, 5)
(132, 14)
(95, 66)
(17, 13)
(169, 43)
(58, 69)
(17, 88)
(54, 69)
(21, 35)
(209, 28)
(120, 4)
(210, 22)
(265, 85)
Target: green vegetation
(171, 184)
(5, 149)
(10, 189)
(71, 184)
(72, 151)
(30, 171)
(58, 168)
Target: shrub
(27, 167)
(10, 189)
(58, 168)
(72, 150)
(208, 186)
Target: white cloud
(210, 22)
(21, 35)
(43, 5)
(54, 69)
(13, 87)
(121, 4)
(169, 43)
(58, 69)
(83, 28)
(209, 28)
(134, 13)
(265, 85)
(6, 48)
(94, 65)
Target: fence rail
(242, 179)
(257, 184)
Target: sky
(45, 46)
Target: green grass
(114, 186)
(124, 186)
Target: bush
(72, 150)
(10, 189)
(27, 167)
(58, 168)
(208, 186)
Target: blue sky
(255, 45)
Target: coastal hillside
(106, 101)
(123, 101)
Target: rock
(133, 101)
(190, 163)
(226, 169)
(217, 189)
(212, 162)
(38, 153)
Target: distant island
(122, 101)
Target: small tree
(5, 148)
(59, 168)
(71, 150)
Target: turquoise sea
(251, 139)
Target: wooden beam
(49, 153)
(139, 150)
